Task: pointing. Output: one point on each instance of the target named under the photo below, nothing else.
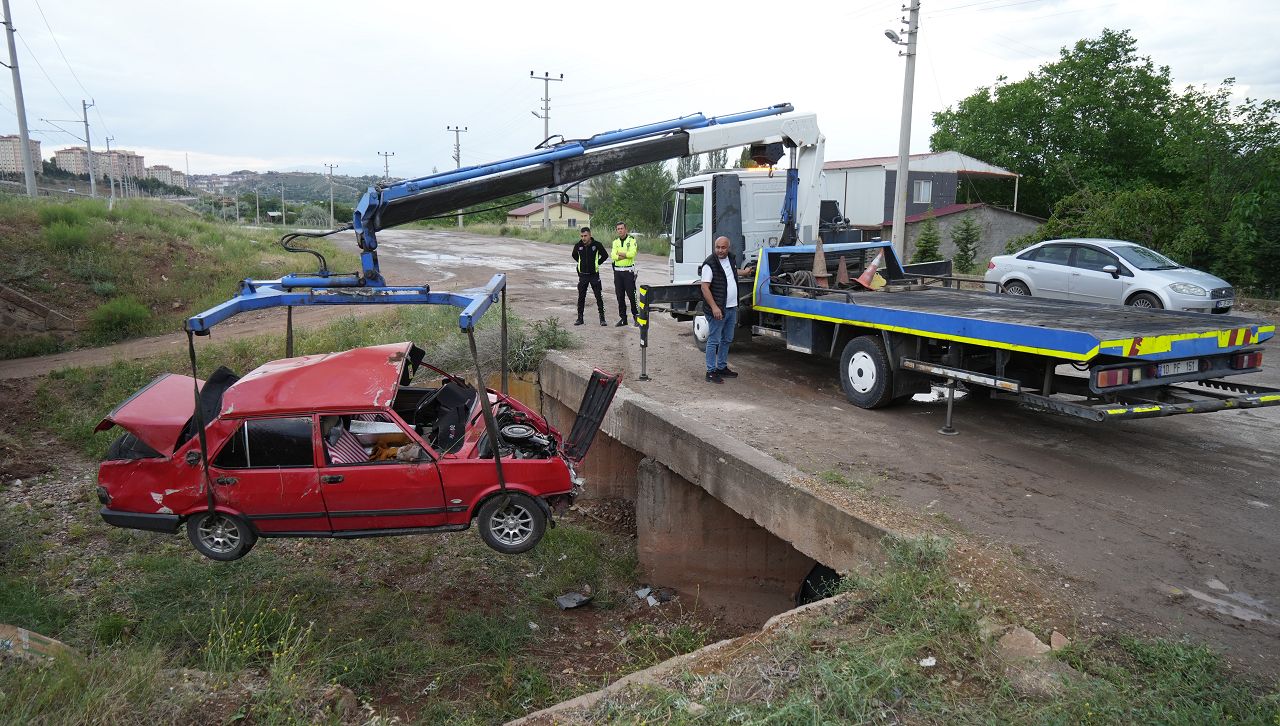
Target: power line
(57, 45)
(46, 73)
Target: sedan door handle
(225, 480)
(331, 479)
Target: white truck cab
(744, 205)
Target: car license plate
(1224, 303)
(1177, 368)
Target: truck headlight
(1186, 288)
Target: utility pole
(283, 214)
(257, 209)
(899, 238)
(546, 128)
(28, 166)
(88, 146)
(111, 170)
(386, 164)
(457, 154)
(331, 167)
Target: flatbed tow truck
(910, 335)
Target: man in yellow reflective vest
(624, 274)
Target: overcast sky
(294, 85)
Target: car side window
(1089, 258)
(268, 443)
(366, 438)
(1050, 254)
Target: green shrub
(103, 288)
(89, 265)
(119, 318)
(67, 214)
(24, 346)
(66, 236)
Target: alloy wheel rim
(513, 525)
(219, 534)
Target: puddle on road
(1223, 601)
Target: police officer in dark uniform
(589, 254)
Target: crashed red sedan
(339, 445)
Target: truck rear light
(1114, 377)
(1241, 361)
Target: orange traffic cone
(869, 279)
(842, 273)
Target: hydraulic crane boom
(389, 205)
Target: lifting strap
(489, 423)
(199, 417)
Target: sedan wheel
(1145, 300)
(1016, 288)
(219, 536)
(511, 523)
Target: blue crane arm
(389, 205)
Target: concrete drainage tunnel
(717, 521)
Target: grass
(425, 628)
(82, 259)
(859, 663)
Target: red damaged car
(339, 445)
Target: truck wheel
(701, 329)
(218, 536)
(1015, 287)
(865, 374)
(511, 523)
(1145, 300)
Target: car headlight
(1186, 288)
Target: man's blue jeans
(719, 338)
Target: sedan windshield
(1145, 259)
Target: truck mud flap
(595, 403)
(1210, 396)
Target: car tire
(865, 374)
(1145, 300)
(512, 523)
(220, 536)
(1015, 287)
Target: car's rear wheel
(1016, 287)
(512, 523)
(1145, 300)
(219, 536)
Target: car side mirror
(192, 458)
(1112, 270)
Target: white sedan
(1109, 271)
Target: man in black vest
(720, 295)
(589, 254)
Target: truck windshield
(1145, 259)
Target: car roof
(1099, 241)
(353, 379)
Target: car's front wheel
(219, 536)
(1015, 287)
(512, 523)
(1145, 300)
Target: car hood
(157, 413)
(1186, 274)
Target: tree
(718, 159)
(687, 166)
(965, 236)
(1095, 117)
(639, 197)
(928, 241)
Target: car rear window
(268, 443)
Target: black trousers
(624, 284)
(592, 281)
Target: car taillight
(1241, 361)
(991, 264)
(1114, 377)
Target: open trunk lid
(157, 413)
(595, 403)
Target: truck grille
(1221, 293)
